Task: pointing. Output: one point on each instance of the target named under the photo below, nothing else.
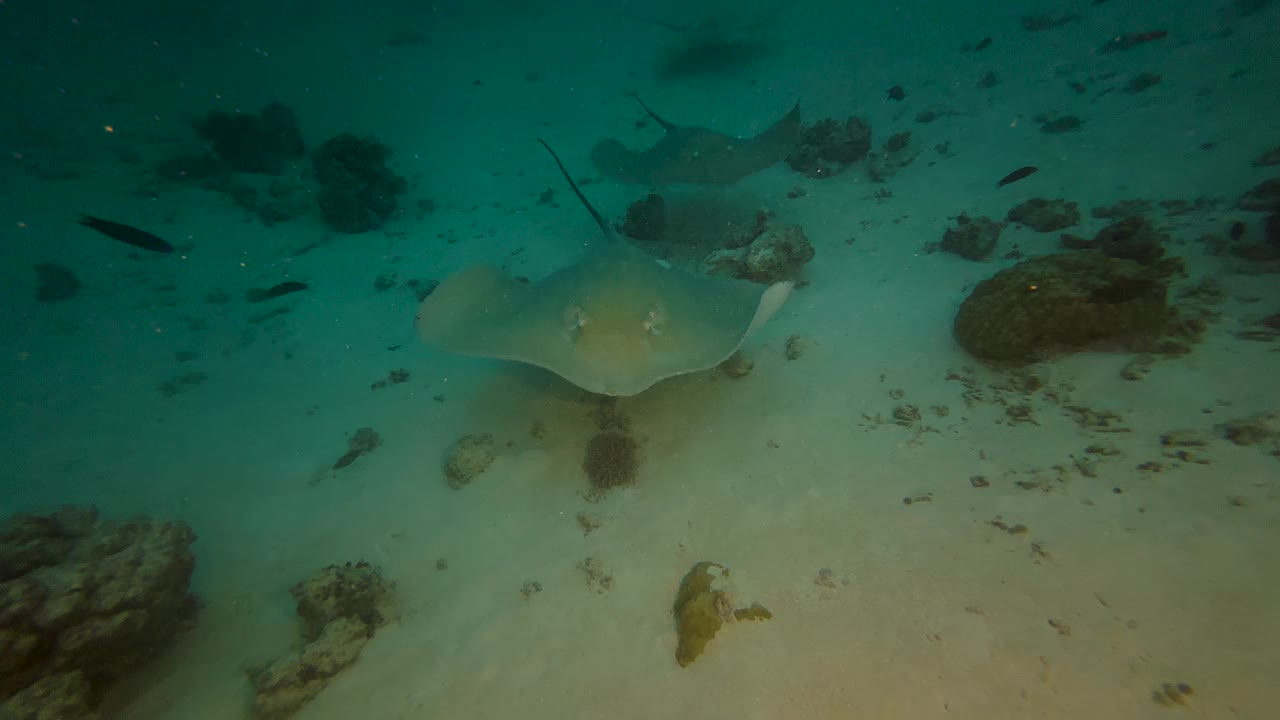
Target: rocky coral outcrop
(897, 153)
(828, 147)
(1133, 238)
(1062, 303)
(646, 218)
(468, 457)
(776, 254)
(1044, 215)
(244, 142)
(341, 607)
(359, 190)
(1263, 197)
(83, 602)
(972, 238)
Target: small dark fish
(983, 44)
(347, 459)
(897, 93)
(127, 234)
(1040, 23)
(257, 295)
(1063, 124)
(1132, 40)
(1017, 175)
(1077, 88)
(1237, 230)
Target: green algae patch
(755, 612)
(700, 610)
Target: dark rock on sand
(898, 152)
(646, 218)
(83, 603)
(245, 142)
(829, 146)
(972, 238)
(1044, 215)
(359, 190)
(1263, 197)
(1062, 303)
(1133, 238)
(779, 253)
(1122, 209)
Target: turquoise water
(998, 438)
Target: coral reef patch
(359, 191)
(1062, 303)
(84, 601)
(341, 607)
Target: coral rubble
(468, 457)
(341, 607)
(972, 238)
(82, 602)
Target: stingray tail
(665, 125)
(604, 226)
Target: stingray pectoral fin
(613, 160)
(784, 135)
(463, 310)
(770, 303)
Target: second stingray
(697, 155)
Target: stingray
(614, 323)
(697, 155)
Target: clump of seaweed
(612, 459)
(359, 190)
(723, 41)
(701, 609)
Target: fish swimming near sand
(1016, 175)
(127, 234)
(257, 295)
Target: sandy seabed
(1063, 584)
